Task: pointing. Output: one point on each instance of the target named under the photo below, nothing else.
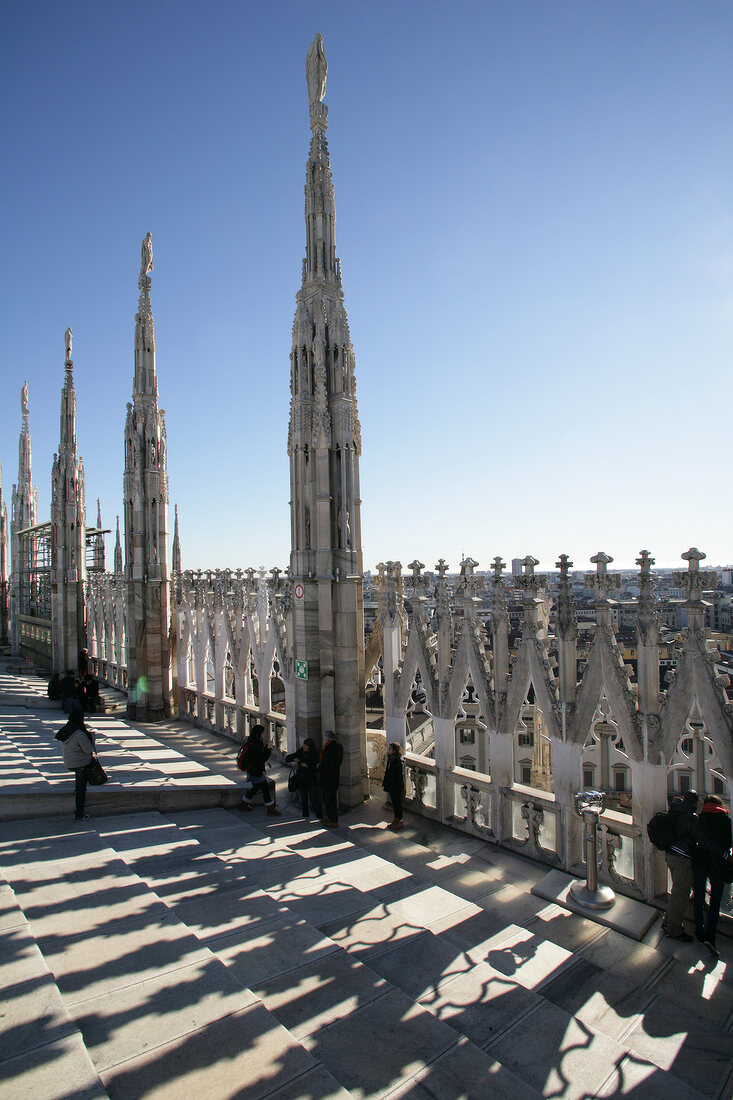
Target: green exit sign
(301, 670)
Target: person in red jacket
(711, 832)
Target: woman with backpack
(712, 834)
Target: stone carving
(24, 400)
(146, 256)
(316, 68)
(67, 343)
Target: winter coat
(307, 763)
(394, 775)
(329, 768)
(78, 749)
(683, 819)
(712, 834)
(256, 757)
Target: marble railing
(230, 718)
(109, 672)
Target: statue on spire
(316, 68)
(146, 256)
(24, 400)
(67, 342)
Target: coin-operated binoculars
(589, 806)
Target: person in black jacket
(712, 834)
(329, 774)
(394, 782)
(307, 760)
(679, 860)
(255, 756)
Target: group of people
(701, 842)
(317, 775)
(70, 689)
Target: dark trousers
(259, 783)
(700, 876)
(310, 793)
(80, 789)
(330, 803)
(396, 797)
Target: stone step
(159, 1013)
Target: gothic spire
(324, 444)
(145, 486)
(67, 435)
(323, 412)
(25, 494)
(118, 550)
(68, 531)
(146, 382)
(176, 545)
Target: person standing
(679, 861)
(252, 759)
(306, 759)
(394, 782)
(329, 773)
(77, 743)
(712, 835)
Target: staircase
(203, 954)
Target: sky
(535, 224)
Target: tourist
(83, 662)
(679, 861)
(307, 774)
(394, 782)
(77, 742)
(712, 833)
(252, 759)
(329, 773)
(87, 692)
(54, 687)
(68, 691)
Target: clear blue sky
(535, 206)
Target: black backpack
(661, 830)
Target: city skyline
(536, 234)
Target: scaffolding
(34, 594)
(34, 612)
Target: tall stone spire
(146, 523)
(4, 569)
(118, 550)
(324, 444)
(176, 562)
(68, 533)
(24, 512)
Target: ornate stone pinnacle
(693, 580)
(497, 566)
(601, 560)
(602, 581)
(441, 568)
(645, 561)
(528, 565)
(564, 565)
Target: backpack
(661, 831)
(243, 757)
